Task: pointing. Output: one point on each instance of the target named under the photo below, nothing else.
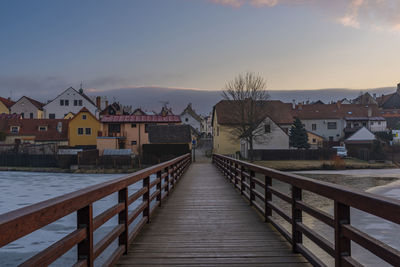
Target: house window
(61, 102)
(66, 102)
(146, 127)
(379, 123)
(314, 127)
(332, 125)
(14, 129)
(75, 102)
(217, 130)
(364, 124)
(330, 138)
(133, 143)
(133, 125)
(114, 128)
(80, 131)
(186, 119)
(267, 128)
(372, 123)
(31, 115)
(356, 124)
(84, 117)
(42, 128)
(314, 140)
(88, 131)
(80, 102)
(52, 116)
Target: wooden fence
(21, 222)
(243, 176)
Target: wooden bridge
(206, 220)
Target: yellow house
(223, 140)
(315, 140)
(83, 129)
(5, 105)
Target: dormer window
(14, 129)
(42, 128)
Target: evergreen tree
(298, 135)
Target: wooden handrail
(343, 197)
(21, 222)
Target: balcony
(119, 135)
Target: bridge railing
(21, 222)
(246, 176)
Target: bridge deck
(206, 223)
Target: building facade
(28, 108)
(83, 129)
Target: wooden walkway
(205, 222)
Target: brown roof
(139, 118)
(334, 111)
(278, 111)
(7, 102)
(30, 127)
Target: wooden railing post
(123, 219)
(167, 180)
(268, 197)
(159, 197)
(242, 179)
(252, 187)
(297, 237)
(146, 198)
(85, 248)
(236, 174)
(342, 244)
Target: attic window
(42, 128)
(14, 129)
(267, 128)
(84, 117)
(349, 112)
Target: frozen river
(20, 189)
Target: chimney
(293, 104)
(300, 106)
(106, 103)
(339, 104)
(374, 96)
(98, 102)
(398, 88)
(369, 112)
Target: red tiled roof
(4, 116)
(8, 103)
(278, 111)
(30, 127)
(140, 118)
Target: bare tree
(248, 95)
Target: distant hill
(203, 100)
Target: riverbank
(341, 164)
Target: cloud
(374, 14)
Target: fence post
(236, 174)
(167, 180)
(159, 197)
(85, 248)
(252, 187)
(268, 197)
(242, 179)
(146, 198)
(123, 218)
(342, 244)
(297, 237)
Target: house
(316, 141)
(116, 109)
(374, 124)
(392, 117)
(83, 129)
(268, 135)
(365, 99)
(130, 131)
(69, 101)
(224, 121)
(35, 131)
(28, 108)
(190, 117)
(330, 120)
(138, 111)
(5, 105)
(390, 101)
(207, 126)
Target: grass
(338, 164)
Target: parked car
(341, 151)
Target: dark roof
(7, 102)
(30, 127)
(278, 111)
(169, 134)
(138, 118)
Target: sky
(47, 46)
